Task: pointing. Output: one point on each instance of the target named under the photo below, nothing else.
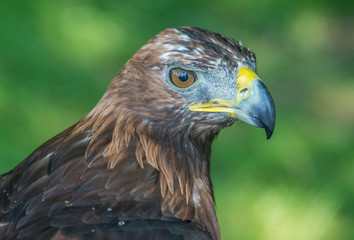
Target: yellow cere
(245, 79)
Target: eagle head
(191, 78)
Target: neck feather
(180, 157)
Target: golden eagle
(137, 166)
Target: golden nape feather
(137, 166)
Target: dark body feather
(137, 166)
(54, 195)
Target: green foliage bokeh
(58, 57)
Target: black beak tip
(269, 126)
(269, 132)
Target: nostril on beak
(243, 92)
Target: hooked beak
(253, 105)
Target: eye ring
(182, 78)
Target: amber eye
(182, 78)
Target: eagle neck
(179, 158)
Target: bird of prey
(137, 166)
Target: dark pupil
(183, 76)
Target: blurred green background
(58, 57)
